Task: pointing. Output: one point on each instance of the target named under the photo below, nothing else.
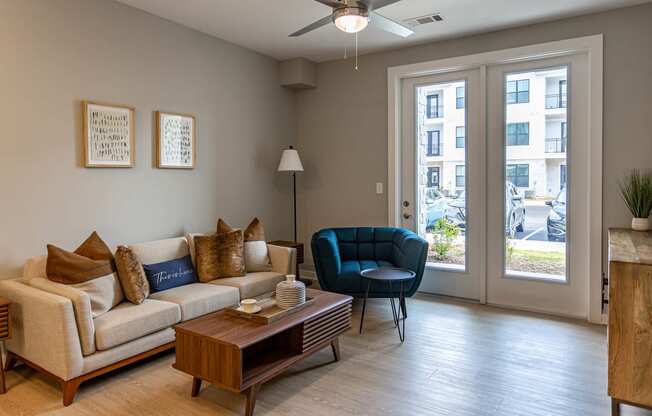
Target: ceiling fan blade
(331, 3)
(376, 4)
(388, 25)
(316, 25)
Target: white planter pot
(640, 224)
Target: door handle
(407, 216)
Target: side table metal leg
(364, 304)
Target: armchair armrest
(412, 255)
(326, 254)
(284, 259)
(44, 329)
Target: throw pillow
(132, 275)
(206, 257)
(230, 254)
(92, 259)
(170, 274)
(89, 268)
(255, 248)
(223, 227)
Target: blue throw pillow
(169, 274)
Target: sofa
(340, 254)
(55, 333)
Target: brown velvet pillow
(254, 231)
(223, 227)
(132, 275)
(206, 257)
(92, 259)
(230, 254)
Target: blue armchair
(340, 254)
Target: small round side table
(390, 275)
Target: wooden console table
(5, 333)
(240, 355)
(630, 319)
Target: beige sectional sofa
(55, 333)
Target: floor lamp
(290, 162)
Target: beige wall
(342, 125)
(55, 53)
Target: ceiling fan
(352, 16)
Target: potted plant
(636, 191)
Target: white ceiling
(264, 25)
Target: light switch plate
(379, 188)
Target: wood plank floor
(459, 359)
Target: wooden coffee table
(239, 355)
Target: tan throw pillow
(230, 254)
(89, 268)
(255, 248)
(206, 257)
(223, 227)
(91, 260)
(132, 275)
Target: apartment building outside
(536, 134)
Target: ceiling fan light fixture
(351, 19)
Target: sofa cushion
(127, 322)
(160, 250)
(198, 299)
(35, 267)
(255, 248)
(132, 275)
(104, 292)
(252, 284)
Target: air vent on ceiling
(423, 20)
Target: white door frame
(591, 45)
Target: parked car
(557, 217)
(454, 209)
(514, 210)
(436, 205)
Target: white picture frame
(176, 140)
(109, 135)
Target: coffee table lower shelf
(239, 355)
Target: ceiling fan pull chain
(346, 55)
(356, 51)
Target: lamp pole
(294, 197)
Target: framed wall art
(176, 140)
(109, 135)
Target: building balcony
(435, 112)
(554, 101)
(556, 144)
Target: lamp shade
(290, 161)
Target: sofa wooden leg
(70, 388)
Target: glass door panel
(443, 194)
(535, 154)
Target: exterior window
(563, 93)
(433, 177)
(459, 137)
(518, 92)
(433, 109)
(460, 171)
(562, 176)
(434, 144)
(459, 97)
(518, 134)
(519, 175)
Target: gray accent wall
(55, 53)
(342, 124)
